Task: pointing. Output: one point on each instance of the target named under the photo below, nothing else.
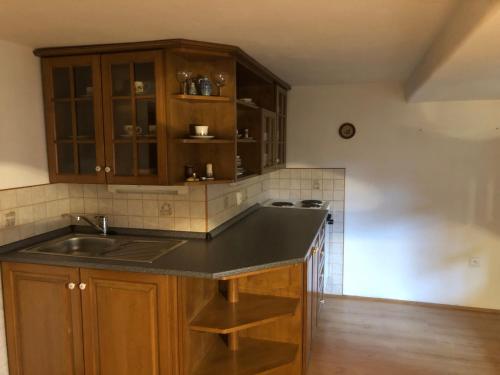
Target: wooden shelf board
(246, 175)
(202, 98)
(207, 182)
(204, 141)
(220, 316)
(244, 140)
(253, 357)
(247, 105)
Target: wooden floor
(381, 338)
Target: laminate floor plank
(363, 337)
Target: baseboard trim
(416, 303)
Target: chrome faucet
(101, 224)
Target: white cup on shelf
(201, 130)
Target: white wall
(23, 157)
(422, 189)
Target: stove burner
(311, 201)
(311, 205)
(282, 204)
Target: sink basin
(80, 245)
(135, 249)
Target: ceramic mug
(129, 130)
(201, 130)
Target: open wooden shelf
(247, 104)
(204, 141)
(245, 176)
(253, 357)
(207, 182)
(222, 317)
(202, 98)
(245, 140)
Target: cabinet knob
(71, 286)
(98, 168)
(82, 286)
(107, 169)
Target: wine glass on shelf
(183, 77)
(220, 81)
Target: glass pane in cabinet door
(83, 81)
(61, 80)
(148, 159)
(65, 160)
(122, 119)
(144, 74)
(120, 78)
(124, 162)
(85, 120)
(87, 158)
(268, 155)
(63, 119)
(146, 117)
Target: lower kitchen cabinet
(128, 321)
(313, 289)
(43, 320)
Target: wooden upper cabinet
(42, 319)
(73, 112)
(129, 323)
(134, 117)
(107, 113)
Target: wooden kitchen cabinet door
(43, 319)
(129, 323)
(134, 118)
(73, 118)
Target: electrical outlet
(241, 197)
(316, 185)
(10, 219)
(166, 209)
(474, 262)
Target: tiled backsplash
(28, 211)
(183, 212)
(25, 212)
(227, 200)
(324, 184)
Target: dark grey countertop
(265, 238)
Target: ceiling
(304, 42)
(440, 49)
(471, 68)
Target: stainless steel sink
(126, 248)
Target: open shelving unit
(216, 112)
(225, 115)
(253, 357)
(246, 324)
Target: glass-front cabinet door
(269, 145)
(281, 110)
(73, 110)
(134, 117)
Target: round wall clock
(347, 130)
